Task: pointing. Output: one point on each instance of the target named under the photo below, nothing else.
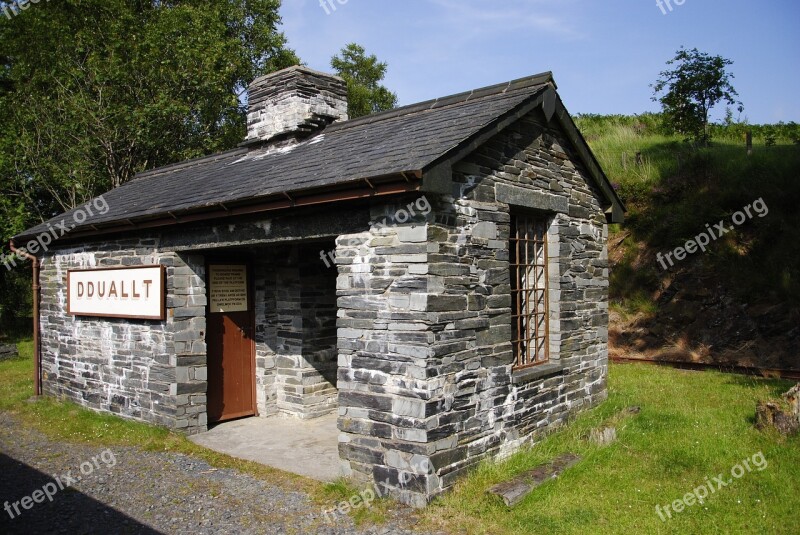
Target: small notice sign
(135, 292)
(227, 288)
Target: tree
(363, 74)
(698, 82)
(101, 89)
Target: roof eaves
(378, 186)
(616, 206)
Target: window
(529, 311)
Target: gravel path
(128, 490)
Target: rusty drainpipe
(37, 374)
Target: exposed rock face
(700, 319)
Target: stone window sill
(537, 372)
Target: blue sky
(604, 53)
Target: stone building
(437, 274)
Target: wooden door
(229, 338)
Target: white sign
(135, 292)
(227, 288)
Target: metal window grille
(529, 311)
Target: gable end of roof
(437, 176)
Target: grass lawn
(692, 426)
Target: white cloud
(490, 15)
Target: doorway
(230, 342)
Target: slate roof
(404, 140)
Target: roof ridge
(436, 103)
(457, 98)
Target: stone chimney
(294, 103)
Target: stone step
(8, 351)
(512, 492)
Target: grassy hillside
(737, 302)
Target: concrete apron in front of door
(305, 447)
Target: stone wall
(266, 338)
(148, 370)
(384, 346)
(426, 382)
(156, 371)
(486, 407)
(318, 297)
(295, 332)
